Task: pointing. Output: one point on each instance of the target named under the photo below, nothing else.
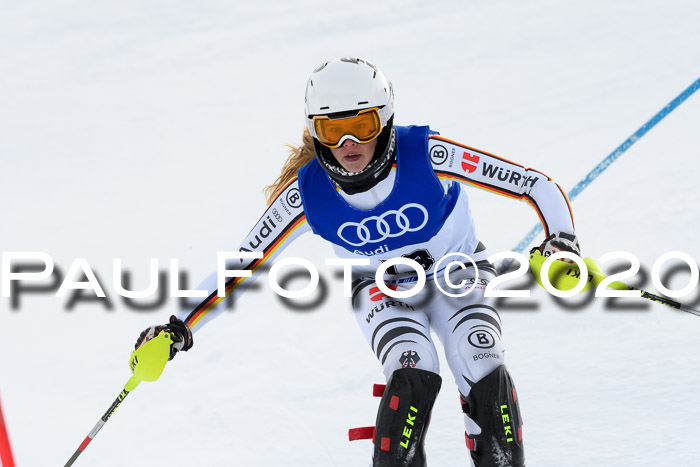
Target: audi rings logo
(374, 229)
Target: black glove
(559, 241)
(180, 334)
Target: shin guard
(492, 404)
(403, 418)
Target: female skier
(377, 192)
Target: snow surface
(140, 130)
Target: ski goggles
(362, 127)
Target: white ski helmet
(344, 88)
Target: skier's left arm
(453, 160)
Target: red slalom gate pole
(5, 451)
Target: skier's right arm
(283, 221)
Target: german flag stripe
(541, 173)
(568, 203)
(277, 194)
(210, 302)
(491, 188)
(489, 154)
(534, 205)
(477, 150)
(510, 194)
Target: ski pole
(618, 285)
(566, 276)
(147, 363)
(130, 386)
(604, 164)
(5, 451)
(667, 301)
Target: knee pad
(403, 418)
(492, 404)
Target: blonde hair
(299, 156)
